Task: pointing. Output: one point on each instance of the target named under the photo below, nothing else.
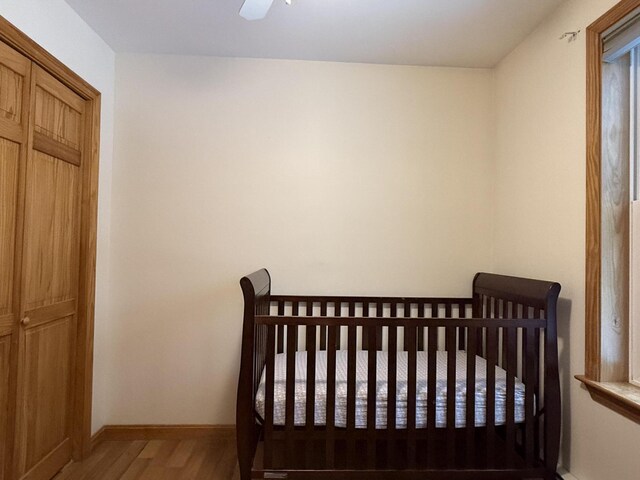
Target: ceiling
(460, 33)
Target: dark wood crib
(507, 329)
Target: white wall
(340, 178)
(540, 216)
(55, 26)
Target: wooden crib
(317, 424)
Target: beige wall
(540, 216)
(337, 177)
(55, 26)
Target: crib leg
(244, 461)
(246, 437)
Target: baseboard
(161, 432)
(97, 438)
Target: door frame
(82, 390)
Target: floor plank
(122, 464)
(200, 454)
(193, 459)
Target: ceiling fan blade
(255, 9)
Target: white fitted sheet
(381, 390)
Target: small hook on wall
(571, 35)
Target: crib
(400, 387)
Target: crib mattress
(279, 409)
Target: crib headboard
(256, 289)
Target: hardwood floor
(193, 459)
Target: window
(613, 210)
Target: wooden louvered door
(49, 279)
(14, 116)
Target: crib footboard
(408, 387)
(531, 299)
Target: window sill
(621, 397)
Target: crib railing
(505, 446)
(407, 307)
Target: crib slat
(379, 313)
(281, 304)
(451, 394)
(365, 314)
(447, 310)
(323, 330)
(407, 314)
(257, 331)
(470, 413)
(290, 390)
(410, 342)
(447, 314)
(421, 313)
(432, 347)
(392, 378)
(462, 313)
(529, 372)
(331, 397)
(537, 313)
(269, 383)
(311, 391)
(338, 312)
(371, 397)
(502, 338)
(351, 391)
(511, 364)
(489, 314)
(491, 394)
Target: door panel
(58, 112)
(51, 228)
(14, 78)
(11, 94)
(49, 286)
(9, 163)
(47, 387)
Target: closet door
(49, 281)
(14, 113)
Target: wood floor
(194, 459)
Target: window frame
(634, 287)
(612, 389)
(634, 222)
